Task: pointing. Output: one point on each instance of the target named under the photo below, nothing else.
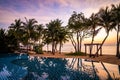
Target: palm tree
(116, 18)
(46, 38)
(17, 28)
(3, 44)
(29, 30)
(93, 20)
(106, 22)
(63, 37)
(12, 40)
(40, 30)
(52, 32)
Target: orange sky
(111, 40)
(46, 10)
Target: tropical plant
(53, 28)
(2, 40)
(93, 23)
(116, 18)
(106, 22)
(29, 31)
(8, 41)
(17, 29)
(62, 37)
(77, 27)
(39, 30)
(12, 40)
(47, 39)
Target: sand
(105, 58)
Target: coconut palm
(17, 28)
(63, 37)
(52, 32)
(93, 20)
(106, 22)
(116, 18)
(8, 41)
(3, 44)
(40, 30)
(12, 40)
(29, 31)
(46, 38)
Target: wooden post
(85, 49)
(97, 50)
(97, 47)
(89, 51)
(101, 51)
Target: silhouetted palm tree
(106, 22)
(116, 18)
(62, 37)
(12, 40)
(3, 44)
(47, 39)
(40, 30)
(17, 28)
(93, 25)
(29, 29)
(52, 32)
(8, 41)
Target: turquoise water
(39, 68)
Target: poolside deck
(105, 58)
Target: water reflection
(9, 71)
(4, 72)
(52, 69)
(79, 65)
(37, 68)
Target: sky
(46, 10)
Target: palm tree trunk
(60, 47)
(53, 47)
(119, 48)
(39, 42)
(78, 43)
(47, 48)
(102, 43)
(117, 45)
(27, 46)
(91, 46)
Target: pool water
(24, 67)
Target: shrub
(76, 54)
(38, 49)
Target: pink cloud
(43, 11)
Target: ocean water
(109, 50)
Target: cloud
(46, 10)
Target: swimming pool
(24, 67)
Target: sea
(106, 49)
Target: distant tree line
(79, 27)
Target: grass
(76, 54)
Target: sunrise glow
(45, 10)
